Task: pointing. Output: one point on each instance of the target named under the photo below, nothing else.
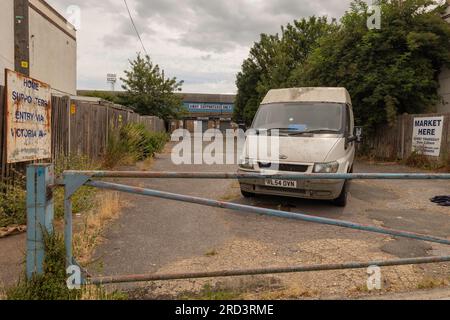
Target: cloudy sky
(202, 42)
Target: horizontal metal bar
(264, 211)
(251, 272)
(287, 176)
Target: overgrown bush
(52, 284)
(133, 143)
(419, 160)
(13, 202)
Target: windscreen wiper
(312, 132)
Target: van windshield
(301, 117)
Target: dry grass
(431, 283)
(282, 294)
(95, 293)
(145, 165)
(233, 193)
(2, 292)
(107, 208)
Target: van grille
(285, 167)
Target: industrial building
(211, 111)
(38, 42)
(208, 110)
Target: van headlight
(331, 167)
(247, 164)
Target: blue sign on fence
(209, 107)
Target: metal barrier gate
(41, 182)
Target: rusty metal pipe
(285, 176)
(250, 272)
(264, 211)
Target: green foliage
(12, 203)
(149, 92)
(133, 143)
(52, 284)
(272, 61)
(388, 72)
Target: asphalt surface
(156, 235)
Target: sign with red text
(427, 136)
(28, 119)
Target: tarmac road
(156, 235)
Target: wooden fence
(395, 142)
(80, 127)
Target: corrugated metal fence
(81, 127)
(393, 142)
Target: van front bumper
(306, 189)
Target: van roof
(312, 94)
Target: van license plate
(290, 184)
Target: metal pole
(263, 211)
(68, 229)
(40, 214)
(259, 176)
(250, 272)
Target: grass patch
(430, 283)
(52, 284)
(13, 202)
(419, 160)
(107, 208)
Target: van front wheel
(341, 201)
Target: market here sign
(427, 135)
(28, 119)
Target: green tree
(390, 71)
(272, 60)
(149, 92)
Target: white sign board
(427, 135)
(28, 119)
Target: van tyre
(341, 201)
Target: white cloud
(200, 41)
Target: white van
(316, 132)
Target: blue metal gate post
(68, 226)
(40, 214)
